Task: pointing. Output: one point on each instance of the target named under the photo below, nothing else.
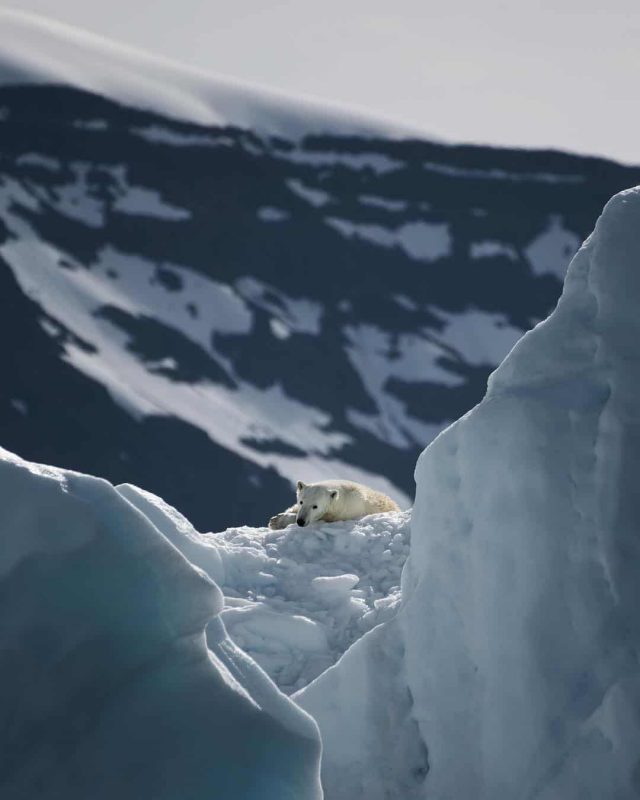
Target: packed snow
(511, 669)
(108, 687)
(295, 599)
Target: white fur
(332, 501)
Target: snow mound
(107, 687)
(36, 50)
(295, 599)
(511, 669)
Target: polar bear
(331, 501)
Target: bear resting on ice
(332, 501)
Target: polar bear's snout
(301, 522)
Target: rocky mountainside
(255, 307)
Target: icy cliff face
(107, 686)
(519, 630)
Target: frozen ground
(295, 599)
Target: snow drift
(107, 688)
(511, 670)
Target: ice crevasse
(107, 686)
(512, 669)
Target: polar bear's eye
(315, 506)
(302, 502)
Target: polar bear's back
(357, 500)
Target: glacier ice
(511, 669)
(107, 686)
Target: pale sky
(563, 74)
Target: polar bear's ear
(300, 486)
(333, 494)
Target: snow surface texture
(295, 599)
(107, 688)
(514, 657)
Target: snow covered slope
(255, 307)
(107, 687)
(511, 670)
(37, 50)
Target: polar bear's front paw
(280, 521)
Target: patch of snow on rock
(422, 241)
(316, 197)
(489, 248)
(299, 315)
(379, 163)
(552, 249)
(271, 214)
(159, 134)
(479, 337)
(378, 356)
(383, 202)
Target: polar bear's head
(313, 501)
